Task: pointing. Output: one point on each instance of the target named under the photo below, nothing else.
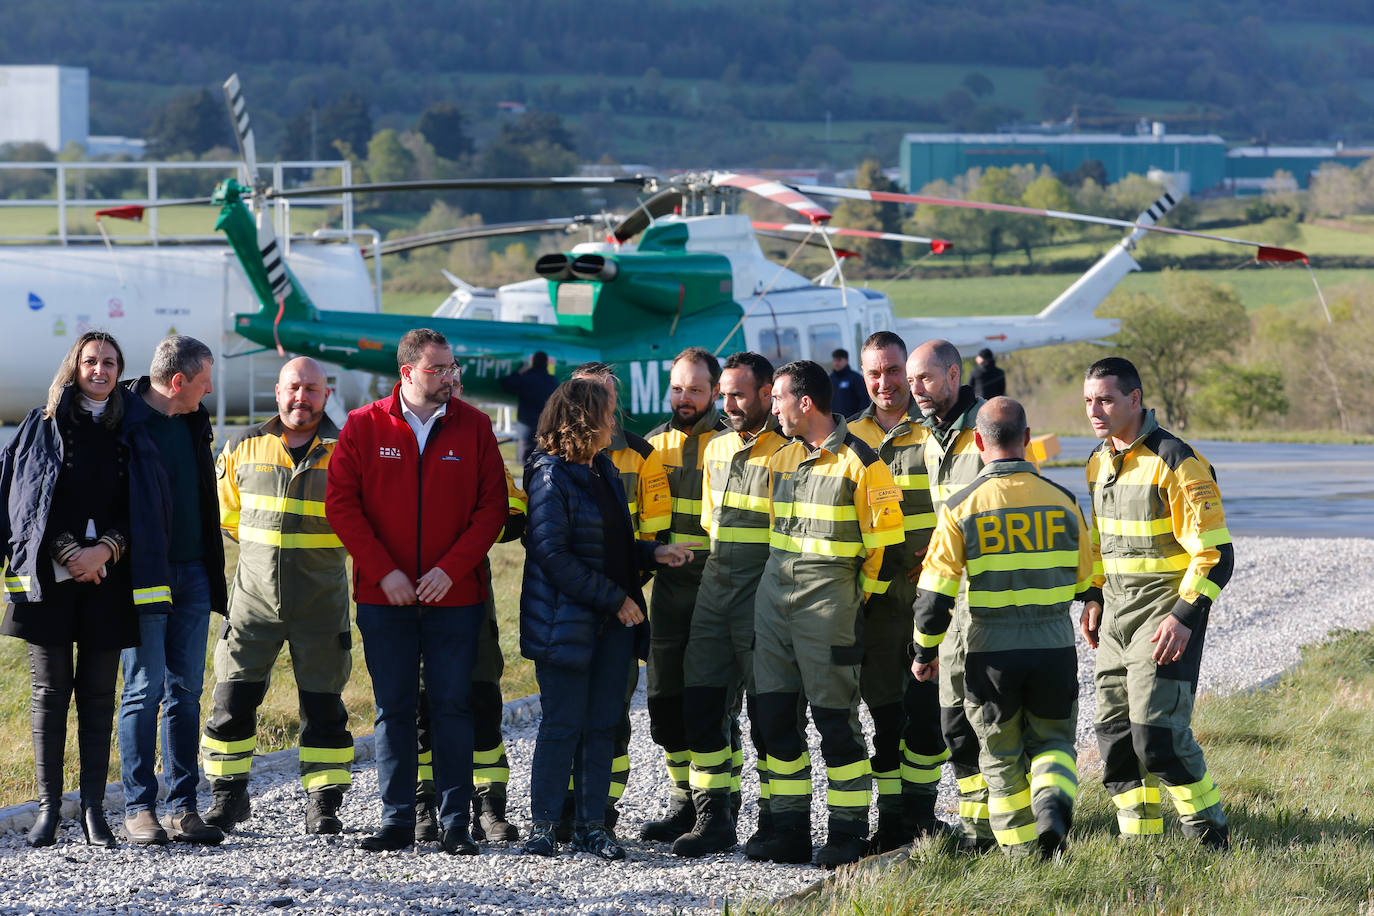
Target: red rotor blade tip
(940, 246)
(1279, 254)
(132, 212)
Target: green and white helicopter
(680, 270)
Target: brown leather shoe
(142, 828)
(187, 827)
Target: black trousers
(55, 672)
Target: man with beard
(417, 493)
(719, 663)
(289, 587)
(950, 410)
(908, 747)
(681, 443)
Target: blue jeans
(581, 710)
(395, 642)
(166, 672)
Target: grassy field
(278, 718)
(1294, 763)
(171, 221)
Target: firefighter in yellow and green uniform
(835, 510)
(950, 411)
(651, 511)
(1027, 553)
(290, 587)
(693, 386)
(719, 663)
(1166, 555)
(490, 766)
(908, 746)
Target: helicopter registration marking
(646, 377)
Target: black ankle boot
(44, 829)
(93, 824)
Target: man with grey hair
(166, 671)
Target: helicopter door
(825, 339)
(780, 345)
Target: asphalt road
(1273, 489)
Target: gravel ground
(1286, 593)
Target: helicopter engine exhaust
(594, 267)
(556, 267)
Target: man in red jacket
(417, 493)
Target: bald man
(289, 586)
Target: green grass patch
(1294, 765)
(42, 221)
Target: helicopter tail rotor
(243, 129)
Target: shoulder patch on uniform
(1201, 492)
(879, 495)
(1172, 450)
(965, 493)
(222, 464)
(652, 484)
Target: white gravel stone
(1285, 593)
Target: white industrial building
(49, 104)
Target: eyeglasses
(443, 372)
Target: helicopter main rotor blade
(661, 204)
(789, 196)
(1264, 253)
(939, 246)
(465, 184)
(134, 212)
(470, 233)
(814, 242)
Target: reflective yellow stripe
(873, 586)
(518, 504)
(677, 757)
(1195, 797)
(974, 783)
(912, 481)
(1016, 835)
(676, 538)
(19, 584)
(745, 501)
(315, 780)
(927, 641)
(814, 546)
(703, 780)
(1005, 562)
(1127, 566)
(919, 521)
(425, 773)
(1055, 781)
(1135, 527)
(1202, 585)
(679, 774)
(850, 770)
(925, 759)
(737, 758)
(888, 537)
(289, 541)
(930, 582)
(228, 518)
(711, 759)
(617, 789)
(920, 775)
(243, 745)
(732, 534)
(1047, 758)
(620, 764)
(488, 775)
(1140, 795)
(153, 595)
(848, 798)
(780, 786)
(1021, 596)
(1007, 804)
(494, 755)
(262, 502)
(788, 767)
(426, 757)
(326, 754)
(819, 511)
(1144, 826)
(235, 766)
(1213, 538)
(687, 506)
(973, 811)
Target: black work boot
(789, 842)
(49, 742)
(426, 819)
(754, 848)
(847, 843)
(1052, 825)
(891, 833)
(489, 820)
(322, 811)
(229, 804)
(714, 830)
(682, 816)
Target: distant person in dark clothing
(988, 381)
(850, 394)
(531, 386)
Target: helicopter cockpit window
(780, 345)
(825, 339)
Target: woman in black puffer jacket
(581, 611)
